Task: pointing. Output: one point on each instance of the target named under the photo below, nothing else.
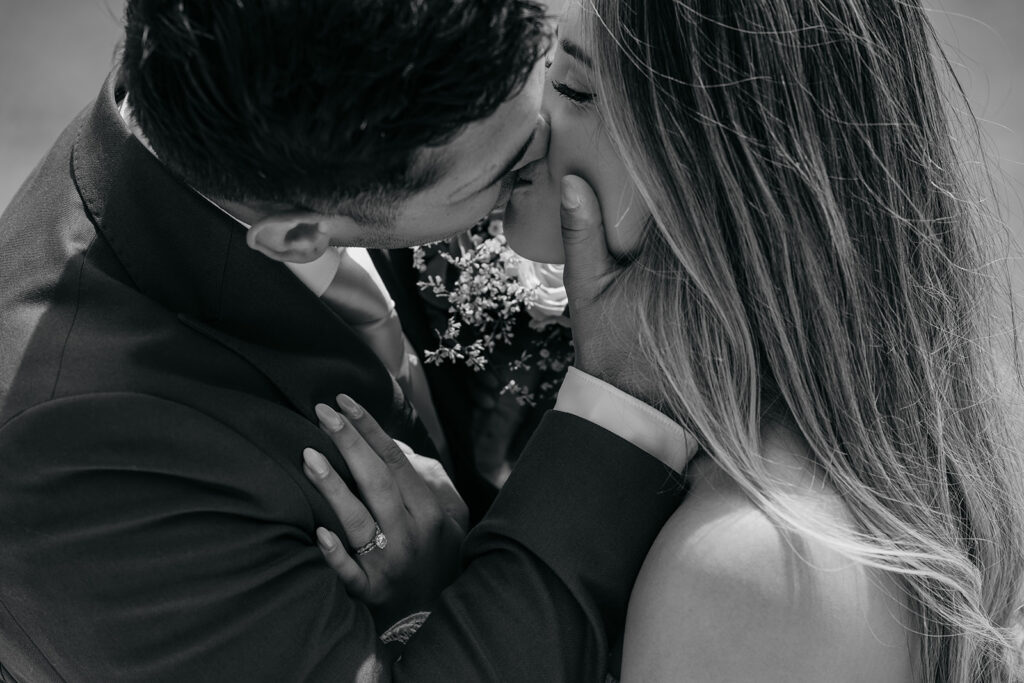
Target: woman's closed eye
(571, 94)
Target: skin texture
(723, 596)
(579, 146)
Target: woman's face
(579, 145)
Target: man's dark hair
(320, 103)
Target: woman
(810, 267)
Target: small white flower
(492, 287)
(544, 281)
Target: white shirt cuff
(627, 417)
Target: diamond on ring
(379, 542)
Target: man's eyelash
(571, 94)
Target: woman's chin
(536, 240)
(533, 228)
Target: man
(159, 363)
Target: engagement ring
(379, 542)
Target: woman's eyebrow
(576, 52)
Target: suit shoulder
(726, 595)
(128, 429)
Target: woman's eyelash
(571, 94)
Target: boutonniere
(506, 314)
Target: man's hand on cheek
(604, 320)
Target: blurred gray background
(54, 55)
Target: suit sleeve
(145, 541)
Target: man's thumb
(582, 231)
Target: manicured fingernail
(325, 539)
(570, 197)
(329, 416)
(352, 409)
(316, 462)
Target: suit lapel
(315, 375)
(184, 253)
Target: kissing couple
(784, 452)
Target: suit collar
(184, 253)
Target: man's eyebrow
(576, 52)
(506, 168)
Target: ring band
(379, 542)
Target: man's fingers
(587, 259)
(437, 479)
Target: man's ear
(297, 237)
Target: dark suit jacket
(157, 380)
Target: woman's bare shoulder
(725, 596)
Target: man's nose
(538, 149)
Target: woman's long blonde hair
(817, 248)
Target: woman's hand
(405, 529)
